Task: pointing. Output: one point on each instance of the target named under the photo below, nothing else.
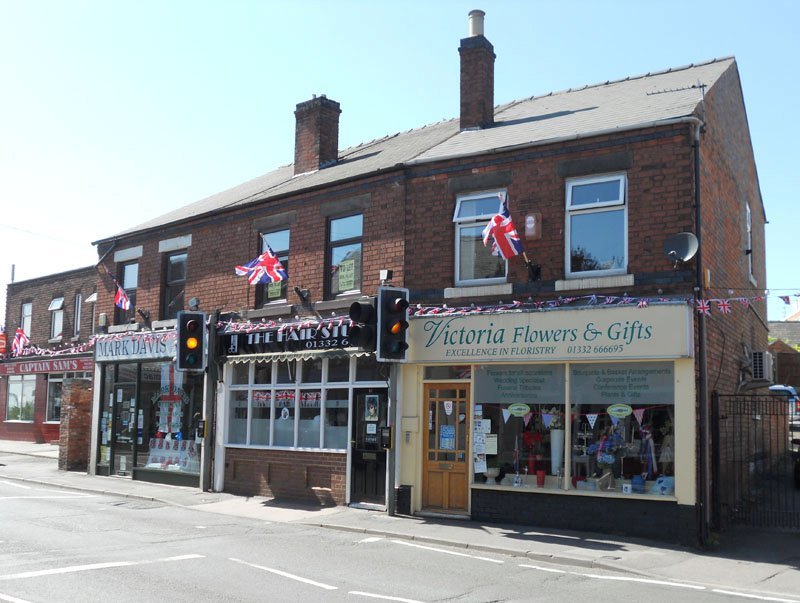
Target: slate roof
(788, 331)
(634, 102)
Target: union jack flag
(724, 306)
(121, 299)
(703, 307)
(20, 341)
(506, 241)
(266, 268)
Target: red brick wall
(76, 425)
(313, 476)
(40, 292)
(38, 430)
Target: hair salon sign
(582, 334)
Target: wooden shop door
(446, 459)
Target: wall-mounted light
(194, 303)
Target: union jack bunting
(506, 242)
(723, 306)
(703, 307)
(266, 268)
(19, 342)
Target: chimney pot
(476, 23)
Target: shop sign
(50, 365)
(520, 385)
(286, 340)
(136, 346)
(519, 410)
(630, 382)
(619, 411)
(663, 331)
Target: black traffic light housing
(392, 341)
(362, 333)
(191, 355)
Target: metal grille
(755, 463)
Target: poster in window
(274, 290)
(447, 437)
(347, 274)
(371, 408)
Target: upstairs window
(344, 251)
(76, 323)
(475, 264)
(129, 279)
(174, 285)
(278, 240)
(597, 226)
(56, 309)
(25, 315)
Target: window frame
(52, 379)
(169, 309)
(331, 246)
(261, 297)
(124, 316)
(26, 317)
(56, 309)
(477, 220)
(18, 382)
(78, 309)
(619, 204)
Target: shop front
(147, 415)
(300, 416)
(578, 419)
(31, 390)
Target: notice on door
(447, 437)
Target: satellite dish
(681, 247)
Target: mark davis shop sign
(50, 365)
(136, 346)
(286, 339)
(597, 333)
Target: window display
(617, 436)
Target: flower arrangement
(556, 418)
(607, 448)
(533, 441)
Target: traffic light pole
(391, 455)
(209, 405)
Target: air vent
(762, 366)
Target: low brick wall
(76, 425)
(659, 520)
(317, 477)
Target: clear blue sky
(113, 112)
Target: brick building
(56, 313)
(561, 387)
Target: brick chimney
(316, 136)
(477, 76)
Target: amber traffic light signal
(191, 354)
(392, 341)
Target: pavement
(745, 562)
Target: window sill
(55, 340)
(478, 290)
(278, 309)
(343, 301)
(123, 328)
(597, 282)
(169, 323)
(17, 421)
(575, 492)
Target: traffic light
(392, 324)
(362, 333)
(191, 341)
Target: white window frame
(470, 222)
(56, 309)
(599, 207)
(52, 379)
(76, 321)
(25, 317)
(17, 387)
(283, 255)
(298, 387)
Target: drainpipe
(703, 506)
